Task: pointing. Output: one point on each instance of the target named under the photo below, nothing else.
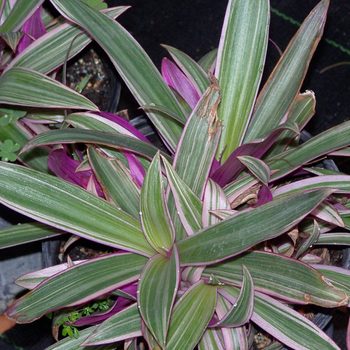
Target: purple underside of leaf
(33, 28)
(123, 123)
(264, 196)
(43, 273)
(65, 167)
(137, 171)
(176, 79)
(233, 167)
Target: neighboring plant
(213, 237)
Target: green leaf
(24, 87)
(214, 199)
(124, 325)
(190, 316)
(276, 275)
(63, 205)
(157, 290)
(24, 233)
(132, 63)
(301, 112)
(188, 205)
(257, 167)
(285, 81)
(285, 324)
(12, 39)
(234, 337)
(210, 340)
(195, 152)
(242, 231)
(208, 60)
(96, 4)
(241, 311)
(78, 284)
(239, 67)
(324, 143)
(155, 218)
(20, 13)
(50, 50)
(108, 139)
(117, 183)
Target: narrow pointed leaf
(239, 67)
(324, 143)
(50, 51)
(63, 205)
(336, 238)
(195, 152)
(210, 340)
(188, 205)
(157, 290)
(190, 316)
(214, 199)
(153, 107)
(155, 218)
(197, 75)
(208, 60)
(116, 181)
(310, 241)
(78, 284)
(240, 232)
(121, 326)
(284, 323)
(21, 11)
(241, 311)
(338, 274)
(235, 337)
(326, 212)
(113, 140)
(301, 112)
(277, 275)
(25, 233)
(286, 79)
(24, 87)
(341, 183)
(104, 122)
(31, 280)
(143, 80)
(257, 167)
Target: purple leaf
(33, 29)
(137, 171)
(65, 167)
(264, 196)
(257, 148)
(174, 77)
(123, 123)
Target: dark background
(194, 27)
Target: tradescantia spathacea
(210, 239)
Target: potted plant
(210, 238)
